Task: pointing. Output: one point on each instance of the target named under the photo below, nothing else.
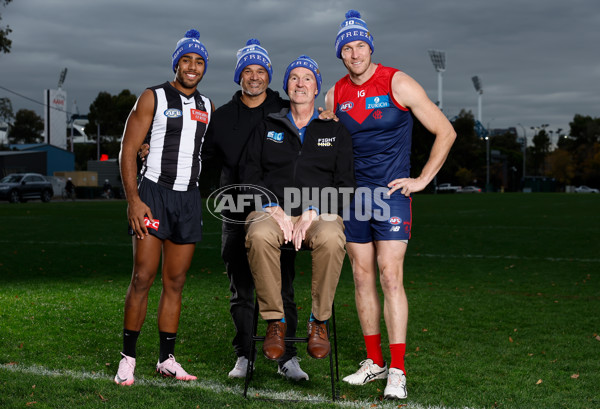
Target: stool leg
(335, 380)
(337, 372)
(252, 357)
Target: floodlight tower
(438, 58)
(479, 89)
(61, 80)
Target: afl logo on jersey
(172, 113)
(346, 106)
(395, 220)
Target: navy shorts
(177, 215)
(375, 216)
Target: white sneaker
(124, 375)
(240, 368)
(171, 367)
(369, 371)
(396, 385)
(291, 369)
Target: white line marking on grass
(68, 243)
(509, 257)
(504, 227)
(83, 243)
(207, 247)
(216, 387)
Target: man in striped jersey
(163, 200)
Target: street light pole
(479, 89)
(524, 151)
(487, 161)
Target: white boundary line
(505, 227)
(410, 254)
(85, 243)
(217, 387)
(508, 257)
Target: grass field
(504, 295)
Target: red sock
(398, 351)
(373, 344)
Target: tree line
(575, 160)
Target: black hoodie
(229, 130)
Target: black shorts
(177, 215)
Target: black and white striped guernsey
(175, 138)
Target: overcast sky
(538, 60)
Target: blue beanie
(190, 44)
(352, 29)
(304, 61)
(252, 54)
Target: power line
(33, 100)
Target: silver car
(585, 189)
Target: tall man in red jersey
(375, 104)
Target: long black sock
(129, 342)
(167, 345)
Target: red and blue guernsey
(381, 128)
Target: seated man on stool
(299, 166)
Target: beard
(254, 90)
(186, 82)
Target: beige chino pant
(326, 241)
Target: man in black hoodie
(225, 140)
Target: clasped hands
(292, 232)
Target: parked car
(447, 188)
(19, 187)
(469, 189)
(585, 189)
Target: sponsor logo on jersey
(173, 113)
(151, 225)
(325, 142)
(395, 220)
(200, 116)
(395, 228)
(346, 106)
(275, 136)
(382, 101)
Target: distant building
(106, 169)
(76, 128)
(503, 131)
(3, 133)
(22, 162)
(55, 158)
